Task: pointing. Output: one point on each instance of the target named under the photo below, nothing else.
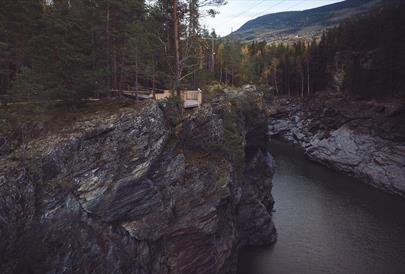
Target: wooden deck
(191, 98)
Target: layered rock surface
(364, 139)
(127, 193)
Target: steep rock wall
(364, 139)
(127, 193)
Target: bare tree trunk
(232, 75)
(213, 55)
(302, 84)
(153, 78)
(194, 80)
(115, 68)
(176, 46)
(136, 70)
(308, 90)
(93, 58)
(220, 72)
(107, 30)
(93, 51)
(275, 80)
(121, 71)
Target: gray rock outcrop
(127, 193)
(364, 139)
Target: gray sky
(237, 12)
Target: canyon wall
(130, 192)
(365, 139)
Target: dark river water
(328, 223)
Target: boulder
(249, 88)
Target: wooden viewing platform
(191, 98)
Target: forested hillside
(292, 25)
(79, 48)
(363, 56)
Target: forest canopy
(81, 48)
(364, 56)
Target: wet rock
(255, 223)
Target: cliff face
(364, 139)
(127, 193)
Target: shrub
(173, 109)
(233, 140)
(213, 90)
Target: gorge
(140, 190)
(151, 188)
(135, 140)
(335, 157)
(327, 222)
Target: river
(327, 223)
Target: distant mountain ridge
(291, 25)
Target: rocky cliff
(130, 193)
(364, 139)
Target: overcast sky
(237, 12)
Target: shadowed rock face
(125, 193)
(362, 138)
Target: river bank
(364, 139)
(327, 222)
